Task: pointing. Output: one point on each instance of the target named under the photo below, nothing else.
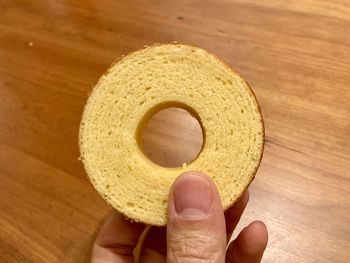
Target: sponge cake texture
(146, 81)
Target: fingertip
(243, 200)
(255, 237)
(246, 195)
(196, 222)
(194, 173)
(193, 194)
(234, 213)
(238, 207)
(250, 244)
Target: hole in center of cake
(171, 136)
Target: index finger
(234, 213)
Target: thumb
(196, 223)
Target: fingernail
(193, 195)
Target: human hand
(197, 230)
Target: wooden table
(295, 55)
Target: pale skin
(198, 230)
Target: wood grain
(172, 137)
(295, 54)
